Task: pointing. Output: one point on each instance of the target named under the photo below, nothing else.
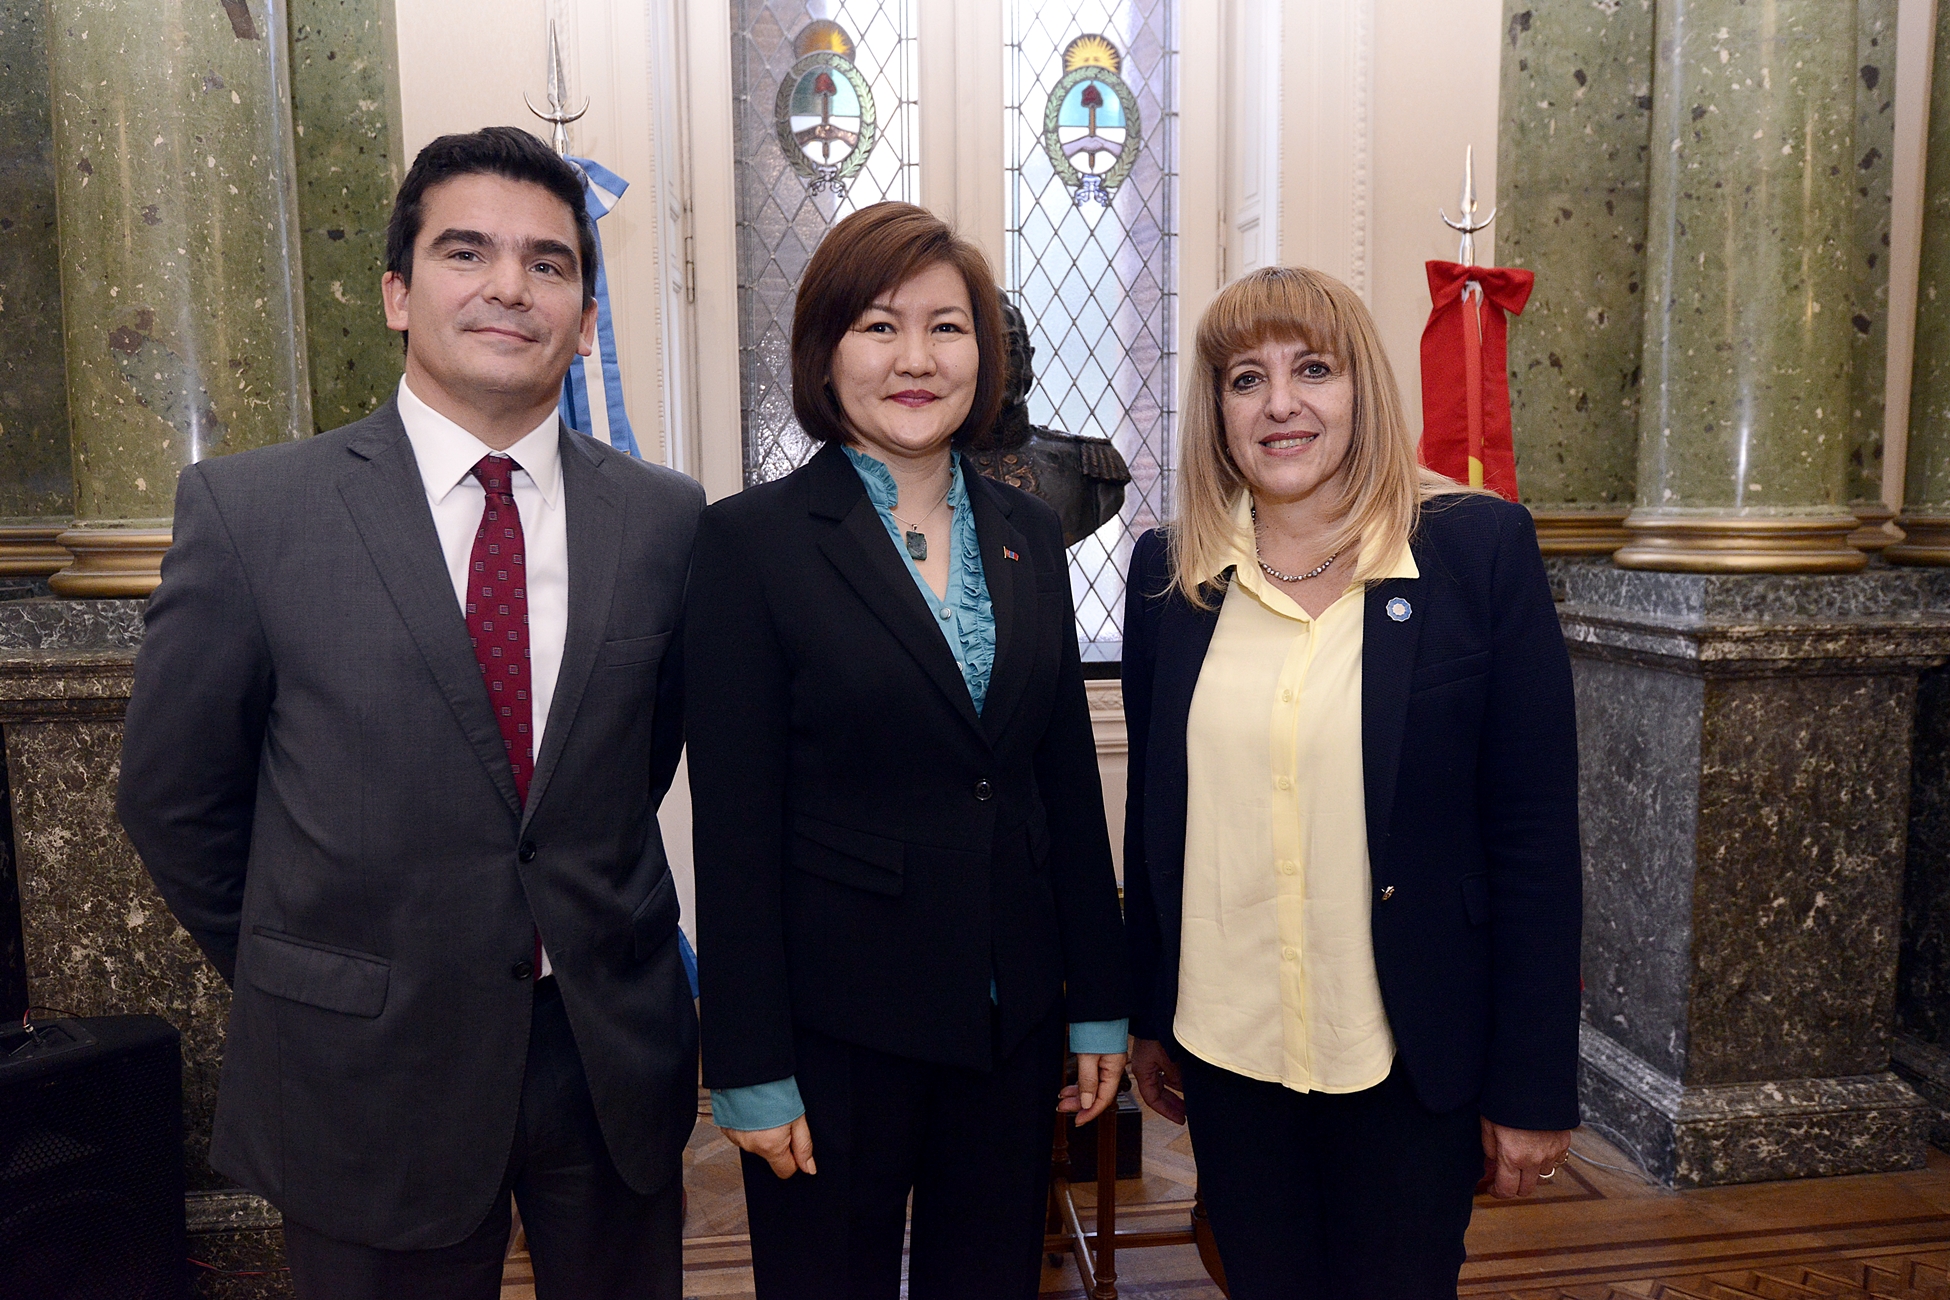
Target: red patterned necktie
(497, 615)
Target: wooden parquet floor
(1599, 1233)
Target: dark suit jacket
(1469, 751)
(869, 851)
(314, 778)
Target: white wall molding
(714, 241)
(1915, 65)
(961, 107)
(1325, 147)
(1255, 92)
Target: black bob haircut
(505, 151)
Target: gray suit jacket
(314, 778)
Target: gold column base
(1580, 532)
(30, 551)
(111, 562)
(1735, 543)
(1875, 528)
(1926, 540)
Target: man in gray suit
(406, 707)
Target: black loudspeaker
(91, 1160)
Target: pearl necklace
(1272, 572)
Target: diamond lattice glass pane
(781, 216)
(1098, 281)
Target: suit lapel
(1184, 637)
(594, 518)
(864, 554)
(1387, 660)
(388, 504)
(1012, 595)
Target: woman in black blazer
(1351, 858)
(904, 882)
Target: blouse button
(1288, 868)
(1286, 697)
(1283, 783)
(1288, 953)
(944, 615)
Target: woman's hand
(1096, 1085)
(787, 1148)
(1157, 1079)
(1515, 1158)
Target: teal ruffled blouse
(966, 618)
(964, 614)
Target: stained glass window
(1091, 119)
(824, 123)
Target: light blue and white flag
(592, 392)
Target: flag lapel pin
(1008, 554)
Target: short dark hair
(505, 151)
(863, 257)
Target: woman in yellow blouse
(1351, 861)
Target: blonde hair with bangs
(1383, 485)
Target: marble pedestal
(1744, 744)
(97, 937)
(1922, 1045)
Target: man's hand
(1157, 1080)
(1515, 1158)
(787, 1148)
(1096, 1085)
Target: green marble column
(1571, 189)
(1744, 427)
(179, 268)
(1875, 141)
(346, 121)
(36, 482)
(1925, 518)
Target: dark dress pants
(972, 1146)
(590, 1237)
(1350, 1196)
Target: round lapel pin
(1399, 609)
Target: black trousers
(1351, 1196)
(972, 1147)
(589, 1235)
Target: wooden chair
(1095, 1251)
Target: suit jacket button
(526, 853)
(984, 791)
(521, 970)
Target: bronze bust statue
(1082, 477)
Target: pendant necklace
(1272, 572)
(917, 541)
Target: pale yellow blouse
(1276, 968)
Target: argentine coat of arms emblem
(1091, 129)
(825, 112)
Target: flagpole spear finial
(558, 93)
(1468, 226)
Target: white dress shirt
(447, 454)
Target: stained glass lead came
(824, 123)
(1091, 253)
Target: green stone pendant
(917, 545)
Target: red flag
(1465, 374)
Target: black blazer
(870, 853)
(1469, 750)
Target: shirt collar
(447, 453)
(1243, 559)
(886, 494)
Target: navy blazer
(1469, 752)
